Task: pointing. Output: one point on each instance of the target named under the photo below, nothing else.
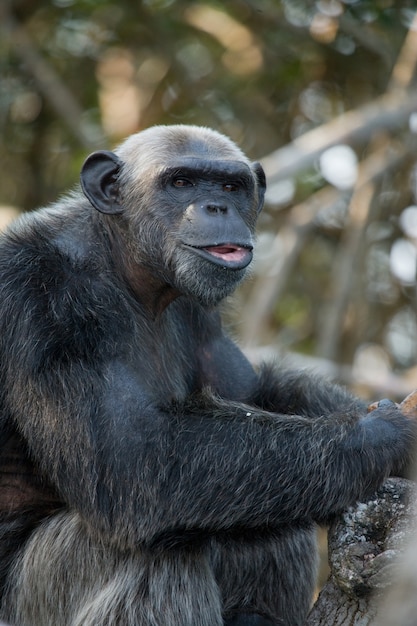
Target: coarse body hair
(150, 476)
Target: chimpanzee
(150, 476)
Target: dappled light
(242, 56)
(403, 260)
(119, 95)
(339, 166)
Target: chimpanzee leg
(65, 577)
(248, 619)
(267, 581)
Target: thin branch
(367, 38)
(283, 255)
(346, 266)
(404, 70)
(48, 81)
(349, 255)
(390, 111)
(301, 221)
(346, 270)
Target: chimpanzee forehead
(218, 168)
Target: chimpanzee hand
(385, 409)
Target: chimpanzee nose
(215, 208)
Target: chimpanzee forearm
(209, 464)
(300, 392)
(300, 469)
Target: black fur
(174, 484)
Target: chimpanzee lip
(228, 255)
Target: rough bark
(366, 545)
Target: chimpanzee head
(184, 201)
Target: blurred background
(323, 93)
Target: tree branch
(349, 257)
(364, 545)
(48, 81)
(390, 112)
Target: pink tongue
(228, 253)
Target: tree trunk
(364, 546)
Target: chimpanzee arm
(276, 388)
(136, 468)
(25, 499)
(136, 471)
(300, 392)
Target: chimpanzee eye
(181, 182)
(230, 187)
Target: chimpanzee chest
(170, 369)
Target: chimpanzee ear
(99, 180)
(258, 170)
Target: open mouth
(228, 255)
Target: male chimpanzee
(150, 477)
